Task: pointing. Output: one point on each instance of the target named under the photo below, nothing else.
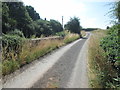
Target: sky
(92, 13)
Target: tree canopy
(32, 13)
(117, 10)
(16, 16)
(56, 26)
(73, 25)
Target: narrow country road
(63, 68)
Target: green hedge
(111, 46)
(11, 44)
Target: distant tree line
(17, 16)
(90, 29)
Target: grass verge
(70, 37)
(83, 33)
(100, 70)
(32, 52)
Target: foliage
(97, 60)
(12, 46)
(73, 25)
(90, 29)
(63, 33)
(9, 66)
(110, 44)
(7, 22)
(16, 16)
(17, 53)
(117, 10)
(71, 37)
(17, 33)
(18, 12)
(101, 73)
(56, 26)
(43, 27)
(29, 54)
(32, 13)
(83, 33)
(107, 27)
(21, 22)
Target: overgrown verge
(96, 59)
(70, 37)
(111, 46)
(18, 51)
(83, 33)
(103, 50)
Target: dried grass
(32, 51)
(83, 33)
(100, 69)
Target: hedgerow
(12, 44)
(111, 46)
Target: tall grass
(31, 51)
(100, 70)
(83, 33)
(70, 37)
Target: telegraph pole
(62, 22)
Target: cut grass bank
(32, 52)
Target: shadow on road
(84, 38)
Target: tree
(107, 27)
(16, 16)
(56, 26)
(74, 25)
(20, 17)
(117, 10)
(0, 19)
(32, 13)
(43, 27)
(5, 18)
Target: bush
(9, 66)
(11, 45)
(17, 32)
(74, 25)
(110, 44)
(62, 34)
